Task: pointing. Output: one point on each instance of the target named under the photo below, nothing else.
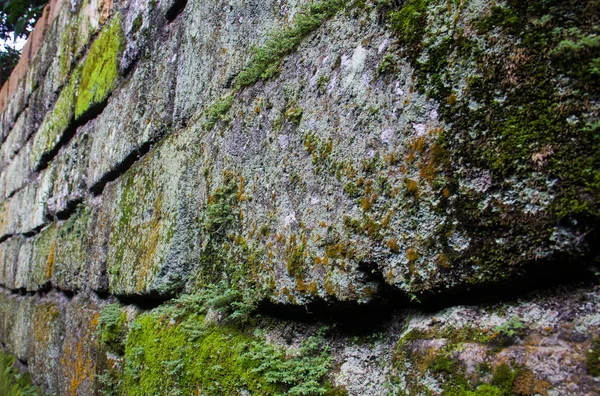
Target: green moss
(503, 378)
(409, 23)
(294, 114)
(217, 111)
(352, 190)
(266, 59)
(172, 351)
(592, 361)
(137, 24)
(161, 358)
(387, 65)
(112, 327)
(58, 120)
(322, 82)
(101, 67)
(484, 390)
(499, 17)
(443, 364)
(302, 373)
(12, 381)
(511, 328)
(523, 124)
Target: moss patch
(57, 121)
(593, 359)
(266, 59)
(100, 69)
(217, 111)
(171, 350)
(111, 325)
(12, 381)
(528, 115)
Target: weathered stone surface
(544, 342)
(186, 185)
(69, 173)
(15, 140)
(25, 212)
(18, 172)
(137, 116)
(9, 257)
(56, 337)
(150, 227)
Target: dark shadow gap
(69, 210)
(18, 292)
(102, 294)
(145, 301)
(69, 294)
(356, 318)
(175, 9)
(121, 168)
(44, 289)
(35, 230)
(90, 114)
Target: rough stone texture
(293, 197)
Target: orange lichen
(366, 203)
(412, 254)
(50, 262)
(77, 365)
(412, 186)
(392, 243)
(433, 163)
(451, 99)
(443, 260)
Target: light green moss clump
(217, 111)
(12, 382)
(266, 59)
(100, 69)
(533, 120)
(111, 324)
(58, 120)
(593, 359)
(172, 350)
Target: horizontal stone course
(261, 181)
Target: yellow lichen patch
(390, 275)
(367, 202)
(412, 254)
(330, 287)
(50, 261)
(302, 286)
(101, 68)
(105, 10)
(443, 260)
(148, 252)
(44, 325)
(451, 99)
(412, 186)
(392, 243)
(77, 365)
(526, 383)
(433, 163)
